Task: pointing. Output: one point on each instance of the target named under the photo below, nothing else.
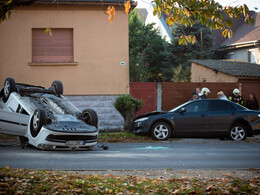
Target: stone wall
(109, 119)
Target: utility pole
(201, 42)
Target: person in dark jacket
(252, 102)
(236, 97)
(194, 96)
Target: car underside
(44, 118)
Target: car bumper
(53, 140)
(256, 132)
(140, 127)
(256, 127)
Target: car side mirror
(182, 110)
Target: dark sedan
(201, 118)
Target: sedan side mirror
(182, 110)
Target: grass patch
(26, 181)
(6, 137)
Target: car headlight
(141, 120)
(258, 115)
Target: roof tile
(235, 68)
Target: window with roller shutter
(57, 47)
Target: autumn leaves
(111, 11)
(26, 181)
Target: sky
(252, 4)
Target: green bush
(127, 106)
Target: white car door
(13, 123)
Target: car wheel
(38, 120)
(89, 116)
(238, 132)
(58, 87)
(9, 87)
(161, 131)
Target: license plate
(73, 143)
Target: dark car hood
(151, 114)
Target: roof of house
(75, 1)
(235, 68)
(242, 33)
(245, 33)
(106, 1)
(146, 15)
(142, 12)
(80, 2)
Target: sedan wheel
(38, 120)
(9, 87)
(89, 116)
(161, 131)
(238, 132)
(58, 87)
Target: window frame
(251, 55)
(230, 106)
(197, 102)
(69, 47)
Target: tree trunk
(130, 116)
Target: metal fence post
(159, 96)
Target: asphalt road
(129, 156)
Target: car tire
(37, 121)
(161, 131)
(9, 87)
(89, 116)
(58, 87)
(238, 132)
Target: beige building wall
(238, 54)
(243, 54)
(99, 49)
(201, 73)
(257, 56)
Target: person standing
(252, 102)
(236, 97)
(221, 95)
(198, 90)
(204, 93)
(194, 96)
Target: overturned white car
(44, 118)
